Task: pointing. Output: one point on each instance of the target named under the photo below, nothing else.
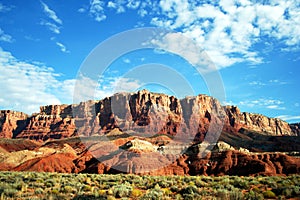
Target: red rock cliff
(143, 112)
(11, 122)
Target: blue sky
(254, 46)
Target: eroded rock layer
(142, 112)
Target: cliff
(141, 113)
(295, 128)
(141, 157)
(256, 122)
(11, 123)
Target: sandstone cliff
(140, 113)
(11, 123)
(69, 156)
(295, 128)
(257, 122)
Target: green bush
(123, 190)
(252, 195)
(38, 191)
(269, 194)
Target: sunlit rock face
(11, 123)
(257, 122)
(144, 113)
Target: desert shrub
(292, 191)
(153, 194)
(175, 188)
(236, 194)
(10, 192)
(269, 194)
(189, 190)
(136, 193)
(38, 191)
(87, 188)
(123, 190)
(240, 183)
(50, 182)
(167, 191)
(68, 189)
(252, 195)
(200, 183)
(55, 191)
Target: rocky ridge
(142, 112)
(110, 157)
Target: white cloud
(81, 10)
(118, 5)
(257, 83)
(268, 83)
(51, 26)
(50, 13)
(126, 60)
(56, 23)
(96, 10)
(288, 117)
(5, 37)
(183, 46)
(25, 86)
(265, 103)
(228, 29)
(86, 88)
(4, 8)
(62, 47)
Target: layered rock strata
(141, 113)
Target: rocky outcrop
(256, 122)
(51, 123)
(295, 128)
(241, 164)
(11, 123)
(140, 113)
(100, 156)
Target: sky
(247, 51)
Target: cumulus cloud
(5, 37)
(143, 8)
(25, 86)
(97, 10)
(228, 30)
(86, 88)
(181, 45)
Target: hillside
(148, 133)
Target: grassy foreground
(32, 185)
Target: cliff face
(256, 122)
(11, 123)
(142, 113)
(69, 156)
(295, 128)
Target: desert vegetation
(33, 185)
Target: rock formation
(68, 156)
(295, 128)
(11, 123)
(257, 122)
(140, 113)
